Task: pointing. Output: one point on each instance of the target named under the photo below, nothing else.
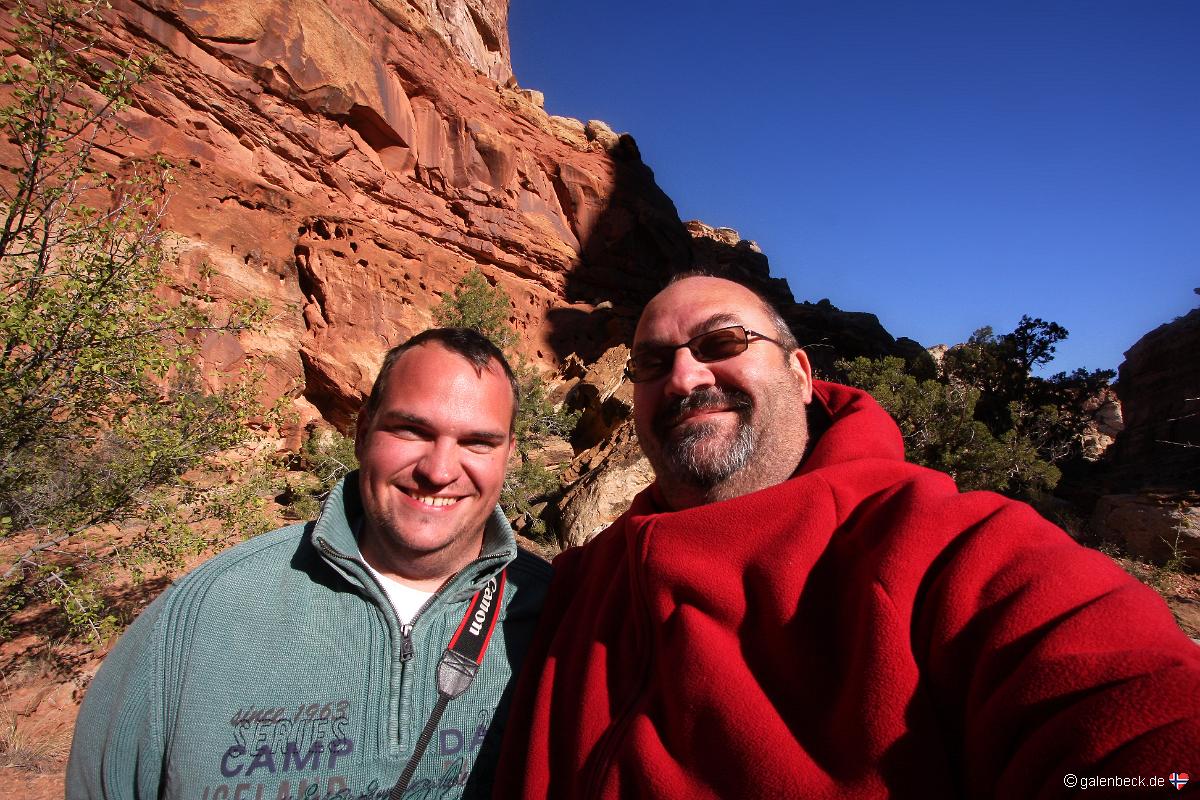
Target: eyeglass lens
(719, 344)
(707, 347)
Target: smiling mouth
(432, 501)
(699, 404)
(695, 413)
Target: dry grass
(26, 745)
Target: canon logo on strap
(485, 605)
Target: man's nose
(687, 374)
(440, 465)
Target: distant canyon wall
(1159, 387)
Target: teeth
(436, 502)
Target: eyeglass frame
(750, 336)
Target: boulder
(614, 473)
(603, 395)
(1156, 527)
(598, 131)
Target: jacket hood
(858, 428)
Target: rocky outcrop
(476, 30)
(1152, 468)
(1159, 387)
(1155, 526)
(610, 468)
(602, 395)
(827, 333)
(609, 475)
(1105, 423)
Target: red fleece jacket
(861, 630)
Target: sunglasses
(718, 345)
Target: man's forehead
(435, 352)
(696, 305)
(721, 319)
(430, 380)
(427, 359)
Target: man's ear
(798, 363)
(361, 425)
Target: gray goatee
(686, 456)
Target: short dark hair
(783, 331)
(466, 342)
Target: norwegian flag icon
(1179, 779)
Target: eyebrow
(393, 417)
(722, 319)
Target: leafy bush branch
(324, 459)
(100, 399)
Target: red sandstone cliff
(350, 160)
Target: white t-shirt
(406, 600)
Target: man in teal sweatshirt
(335, 659)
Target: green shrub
(325, 458)
(985, 418)
(940, 430)
(478, 305)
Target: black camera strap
(458, 666)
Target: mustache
(699, 400)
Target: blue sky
(943, 165)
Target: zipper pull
(406, 646)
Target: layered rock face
(349, 161)
(477, 30)
(1154, 465)
(1159, 387)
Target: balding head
(779, 325)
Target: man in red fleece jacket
(792, 610)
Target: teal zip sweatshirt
(278, 670)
